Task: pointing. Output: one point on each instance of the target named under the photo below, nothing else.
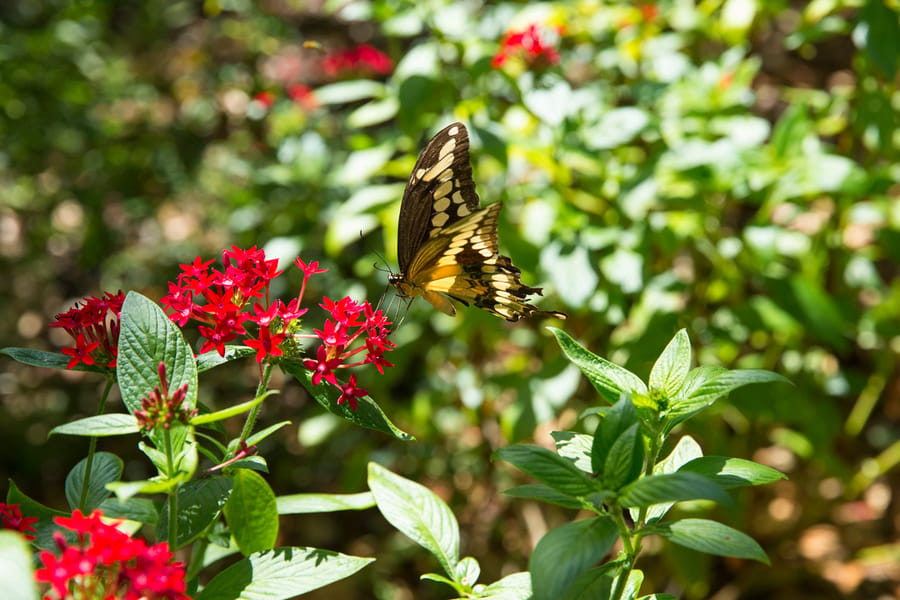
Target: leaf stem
(92, 448)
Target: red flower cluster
(362, 60)
(11, 518)
(349, 321)
(94, 325)
(536, 44)
(223, 300)
(104, 562)
(218, 299)
(303, 96)
(159, 409)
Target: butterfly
(447, 243)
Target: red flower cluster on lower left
(103, 562)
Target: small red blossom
(323, 366)
(94, 325)
(361, 60)
(81, 352)
(265, 99)
(536, 45)
(11, 518)
(266, 344)
(349, 392)
(104, 562)
(303, 96)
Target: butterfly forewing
(447, 244)
(439, 192)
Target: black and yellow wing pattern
(447, 243)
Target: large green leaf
(320, 503)
(147, 338)
(16, 566)
(99, 426)
(418, 513)
(281, 573)
(672, 367)
(673, 487)
(609, 379)
(566, 552)
(713, 538)
(199, 503)
(251, 512)
(549, 468)
(367, 413)
(105, 468)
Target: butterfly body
(447, 244)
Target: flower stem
(92, 449)
(173, 493)
(254, 412)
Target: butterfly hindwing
(447, 245)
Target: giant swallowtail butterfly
(447, 244)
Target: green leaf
(543, 493)
(619, 419)
(549, 468)
(211, 359)
(323, 503)
(566, 552)
(45, 526)
(281, 573)
(106, 468)
(732, 472)
(231, 411)
(50, 360)
(128, 489)
(595, 584)
(673, 487)
(672, 366)
(516, 586)
(713, 538)
(367, 413)
(720, 383)
(625, 460)
(147, 338)
(373, 113)
(349, 91)
(467, 572)
(576, 447)
(418, 513)
(686, 450)
(262, 434)
(609, 379)
(99, 426)
(16, 566)
(251, 512)
(878, 32)
(199, 503)
(141, 510)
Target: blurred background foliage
(726, 166)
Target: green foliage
(729, 168)
(617, 473)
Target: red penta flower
(303, 96)
(535, 45)
(361, 60)
(94, 325)
(11, 518)
(104, 562)
(349, 392)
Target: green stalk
(92, 448)
(254, 412)
(173, 494)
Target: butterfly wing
(440, 191)
(463, 262)
(447, 245)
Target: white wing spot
(462, 210)
(486, 253)
(447, 148)
(453, 130)
(441, 204)
(439, 219)
(443, 190)
(458, 198)
(438, 168)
